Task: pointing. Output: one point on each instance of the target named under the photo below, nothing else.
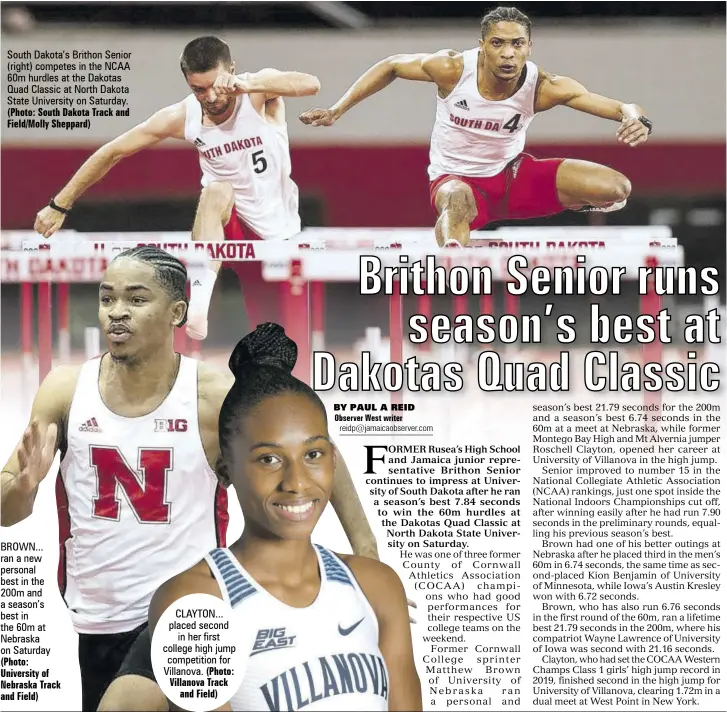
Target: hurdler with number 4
(138, 498)
(237, 124)
(487, 97)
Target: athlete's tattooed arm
(553, 90)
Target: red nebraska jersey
(478, 137)
(137, 501)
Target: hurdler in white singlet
(322, 657)
(478, 137)
(137, 502)
(254, 156)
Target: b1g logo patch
(170, 425)
(272, 639)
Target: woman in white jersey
(346, 615)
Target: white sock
(199, 303)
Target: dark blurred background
(258, 15)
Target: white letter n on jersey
(145, 490)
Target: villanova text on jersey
(346, 673)
(322, 657)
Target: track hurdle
(306, 270)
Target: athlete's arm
(268, 84)
(274, 83)
(31, 460)
(385, 593)
(347, 505)
(198, 579)
(166, 123)
(554, 90)
(212, 388)
(444, 68)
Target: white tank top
(137, 502)
(477, 137)
(323, 657)
(254, 156)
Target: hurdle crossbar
(313, 259)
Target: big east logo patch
(272, 639)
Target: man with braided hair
(138, 498)
(486, 100)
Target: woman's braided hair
(262, 364)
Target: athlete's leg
(261, 298)
(97, 670)
(130, 693)
(581, 183)
(133, 687)
(213, 213)
(100, 657)
(457, 208)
